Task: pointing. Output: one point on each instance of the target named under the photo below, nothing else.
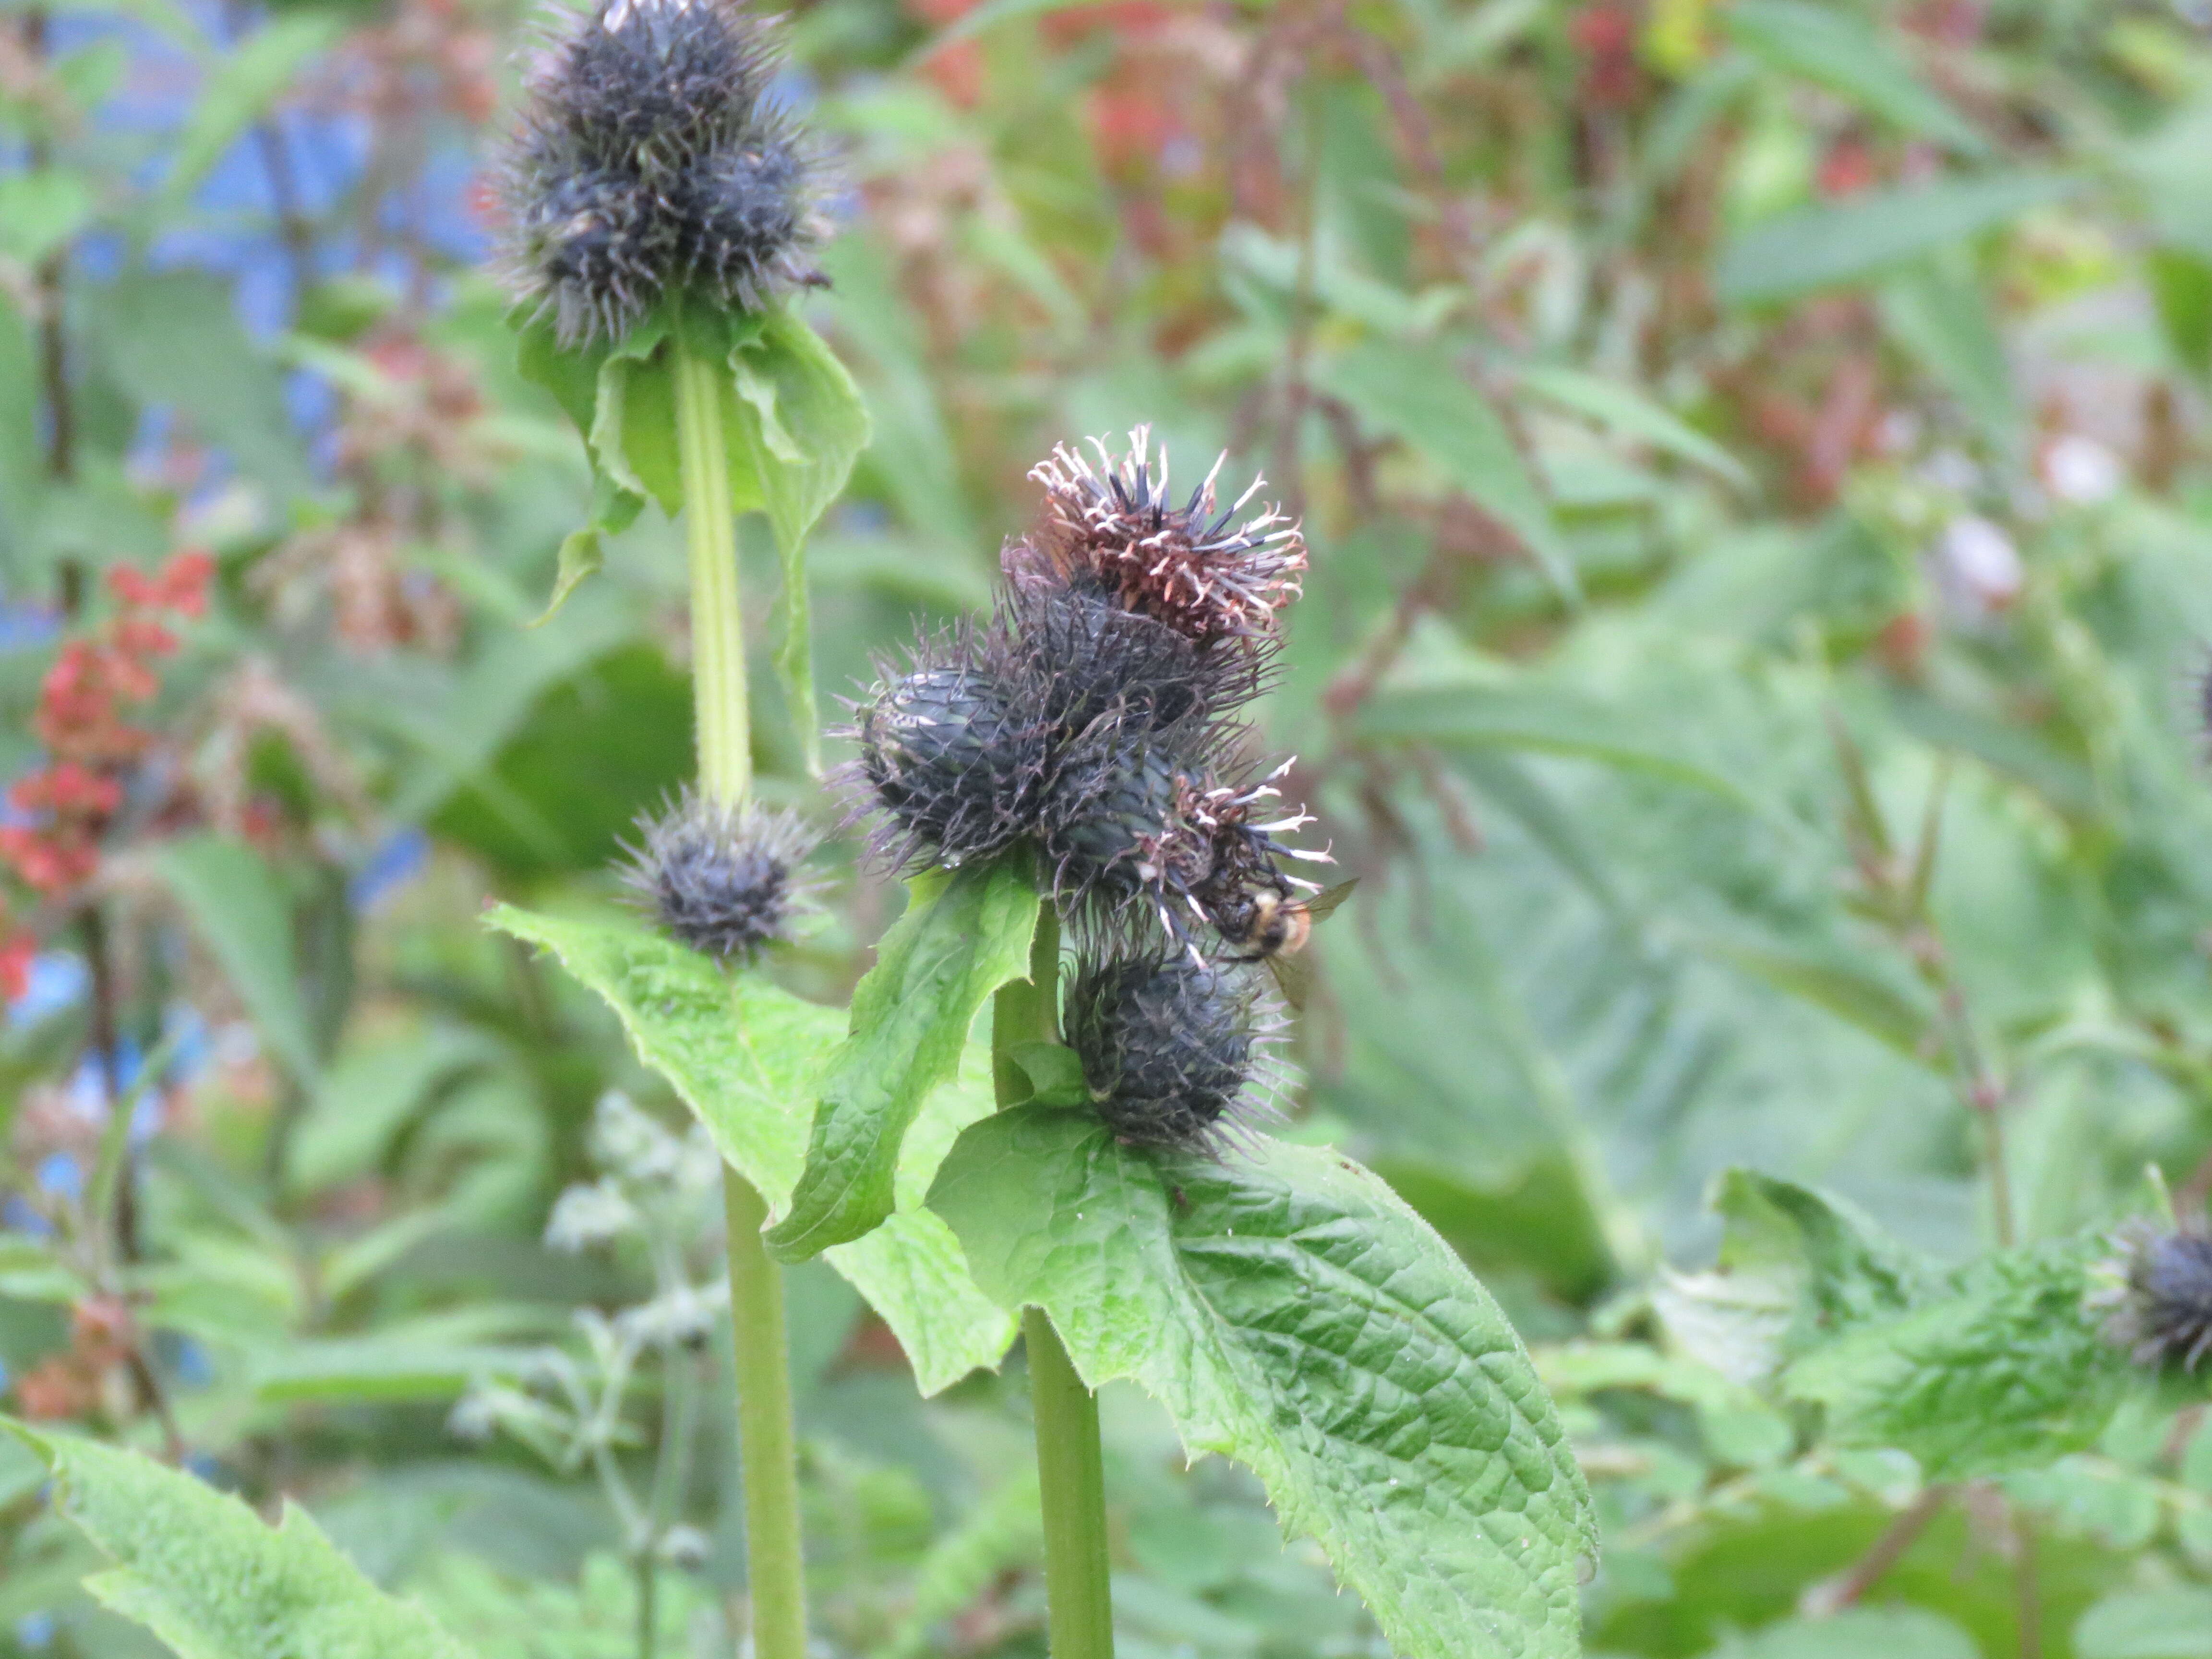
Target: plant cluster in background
(1752, 459)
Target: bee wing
(1329, 897)
(1294, 978)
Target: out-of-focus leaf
(1836, 49)
(1539, 719)
(374, 1368)
(1944, 321)
(171, 340)
(749, 1058)
(1419, 395)
(40, 210)
(2001, 1370)
(911, 1017)
(241, 87)
(1876, 1007)
(1855, 1633)
(2169, 1624)
(1625, 409)
(236, 905)
(1290, 1312)
(366, 1097)
(199, 1569)
(1816, 247)
(2181, 281)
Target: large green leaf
(2001, 1369)
(747, 1057)
(1293, 1313)
(1817, 247)
(237, 905)
(1419, 395)
(911, 1016)
(201, 1570)
(2165, 1623)
(1834, 48)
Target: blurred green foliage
(1755, 456)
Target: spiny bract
(1170, 1048)
(722, 879)
(647, 160)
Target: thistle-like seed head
(2160, 1297)
(1115, 528)
(954, 764)
(647, 160)
(722, 879)
(1170, 1049)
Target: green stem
(724, 728)
(767, 1450)
(1071, 1472)
(774, 1573)
(1078, 1600)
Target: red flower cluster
(89, 743)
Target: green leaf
(201, 1570)
(243, 86)
(1851, 995)
(1905, 1632)
(41, 210)
(801, 422)
(1816, 247)
(1942, 316)
(748, 1058)
(2164, 1624)
(2181, 283)
(1417, 394)
(1290, 1312)
(1627, 411)
(1836, 49)
(1541, 719)
(934, 969)
(1055, 1071)
(2003, 1369)
(236, 904)
(377, 1368)
(633, 430)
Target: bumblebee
(1272, 924)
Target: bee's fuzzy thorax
(648, 159)
(1172, 1050)
(721, 879)
(1193, 565)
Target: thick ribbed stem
(767, 1450)
(1071, 1472)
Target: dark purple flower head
(648, 160)
(2162, 1301)
(1173, 1051)
(722, 879)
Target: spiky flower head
(2160, 1296)
(1081, 660)
(1171, 829)
(647, 160)
(723, 879)
(1116, 527)
(952, 761)
(1171, 1048)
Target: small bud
(720, 879)
(2161, 1297)
(1115, 528)
(1170, 1048)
